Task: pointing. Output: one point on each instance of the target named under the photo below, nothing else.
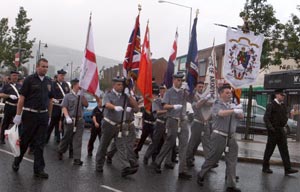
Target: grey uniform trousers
(71, 137)
(130, 140)
(218, 144)
(172, 126)
(108, 133)
(199, 132)
(158, 135)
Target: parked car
(257, 124)
(87, 113)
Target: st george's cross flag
(89, 79)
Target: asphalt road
(65, 177)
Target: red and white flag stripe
(89, 79)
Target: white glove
(238, 111)
(177, 107)
(207, 96)
(68, 120)
(126, 91)
(128, 109)
(119, 108)
(17, 119)
(185, 86)
(234, 106)
(79, 93)
(55, 101)
(13, 97)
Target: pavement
(252, 150)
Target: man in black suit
(275, 119)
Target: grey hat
(118, 79)
(178, 75)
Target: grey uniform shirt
(222, 123)
(113, 98)
(157, 106)
(198, 114)
(70, 102)
(172, 97)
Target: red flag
(133, 53)
(144, 81)
(89, 79)
(17, 59)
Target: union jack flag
(133, 53)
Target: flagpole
(88, 33)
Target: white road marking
(110, 188)
(9, 153)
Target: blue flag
(192, 59)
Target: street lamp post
(191, 10)
(71, 65)
(38, 53)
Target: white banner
(242, 58)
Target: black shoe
(200, 181)
(267, 170)
(190, 164)
(290, 171)
(145, 161)
(2, 142)
(15, 166)
(41, 175)
(71, 154)
(184, 175)
(134, 165)
(236, 178)
(156, 168)
(128, 171)
(108, 160)
(232, 189)
(175, 161)
(169, 166)
(99, 169)
(77, 162)
(60, 156)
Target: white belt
(220, 133)
(35, 110)
(110, 121)
(202, 122)
(9, 103)
(57, 104)
(149, 122)
(160, 121)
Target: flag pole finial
(139, 7)
(197, 12)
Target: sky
(64, 22)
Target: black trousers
(9, 114)
(94, 133)
(34, 127)
(147, 130)
(55, 118)
(277, 138)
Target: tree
(291, 38)
(261, 19)
(5, 40)
(20, 36)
